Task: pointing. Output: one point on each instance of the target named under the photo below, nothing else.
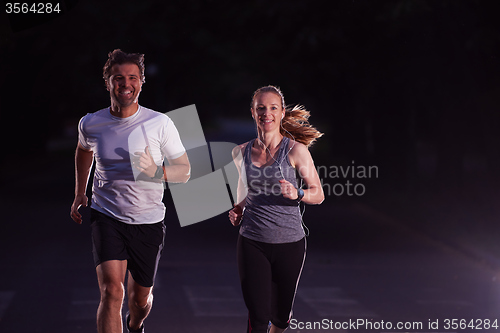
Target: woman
(271, 244)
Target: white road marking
(83, 304)
(210, 301)
(444, 302)
(333, 302)
(435, 296)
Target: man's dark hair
(119, 57)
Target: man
(129, 143)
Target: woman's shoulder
(297, 147)
(239, 149)
(298, 152)
(244, 145)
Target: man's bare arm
(83, 163)
(178, 170)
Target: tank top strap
(283, 149)
(248, 152)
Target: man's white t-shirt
(119, 189)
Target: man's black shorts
(141, 245)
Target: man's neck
(123, 112)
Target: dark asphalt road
(360, 266)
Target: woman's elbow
(318, 196)
(320, 199)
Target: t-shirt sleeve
(171, 144)
(82, 135)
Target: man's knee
(112, 293)
(141, 299)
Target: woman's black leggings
(269, 275)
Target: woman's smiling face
(268, 111)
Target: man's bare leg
(140, 301)
(111, 276)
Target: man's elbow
(186, 175)
(185, 179)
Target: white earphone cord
(301, 212)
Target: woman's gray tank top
(268, 216)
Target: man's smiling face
(124, 84)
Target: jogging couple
(127, 213)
